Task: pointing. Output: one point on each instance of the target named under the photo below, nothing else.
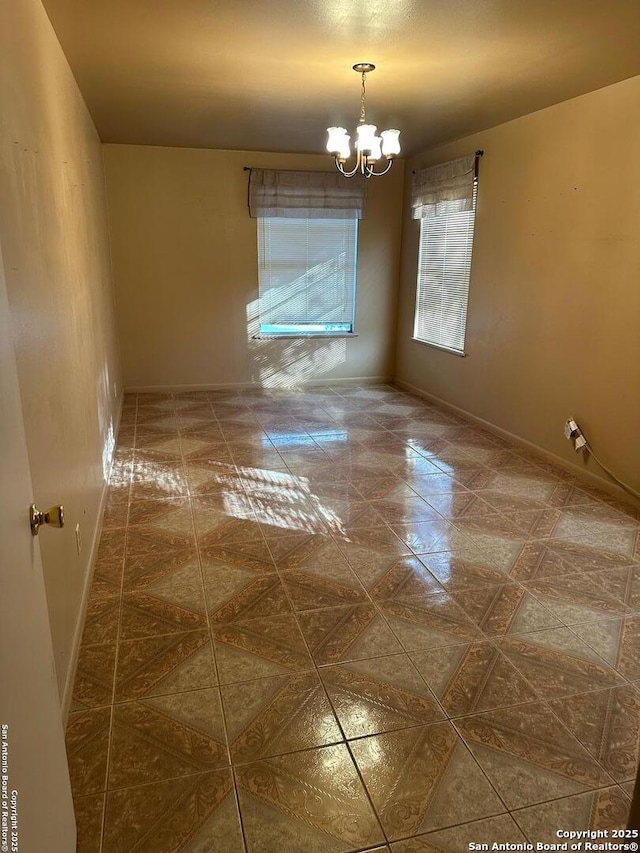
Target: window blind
(444, 269)
(303, 195)
(306, 275)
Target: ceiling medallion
(369, 147)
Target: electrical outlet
(573, 432)
(579, 442)
(78, 542)
(571, 428)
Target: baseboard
(589, 477)
(77, 637)
(239, 386)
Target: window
(307, 246)
(445, 202)
(307, 275)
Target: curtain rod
(478, 154)
(320, 171)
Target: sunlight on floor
(281, 500)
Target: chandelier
(369, 147)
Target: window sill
(459, 353)
(302, 336)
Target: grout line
(117, 645)
(214, 657)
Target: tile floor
(348, 620)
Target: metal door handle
(53, 516)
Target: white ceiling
(273, 74)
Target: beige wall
(185, 270)
(554, 309)
(55, 241)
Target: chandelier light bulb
(345, 149)
(335, 140)
(369, 147)
(390, 143)
(376, 150)
(366, 138)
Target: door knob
(53, 516)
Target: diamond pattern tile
(342, 620)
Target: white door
(35, 794)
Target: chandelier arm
(384, 171)
(343, 171)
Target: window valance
(445, 188)
(305, 195)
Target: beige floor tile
(158, 480)
(166, 737)
(403, 579)
(575, 598)
(605, 809)
(429, 621)
(258, 648)
(116, 509)
(528, 755)
(237, 593)
(379, 538)
(163, 664)
(271, 716)
(460, 505)
(336, 634)
(193, 814)
(491, 830)
(217, 519)
(406, 509)
(423, 778)
(220, 480)
(102, 617)
(499, 609)
(460, 571)
(109, 563)
(93, 685)
(172, 574)
(313, 591)
(148, 615)
(628, 788)
(87, 739)
(598, 529)
(169, 515)
(387, 487)
(311, 801)
(89, 816)
(238, 542)
(152, 552)
(422, 536)
(379, 695)
(607, 723)
(617, 641)
(472, 677)
(557, 663)
(382, 572)
(621, 583)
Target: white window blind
(444, 268)
(307, 275)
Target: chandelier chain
(362, 99)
